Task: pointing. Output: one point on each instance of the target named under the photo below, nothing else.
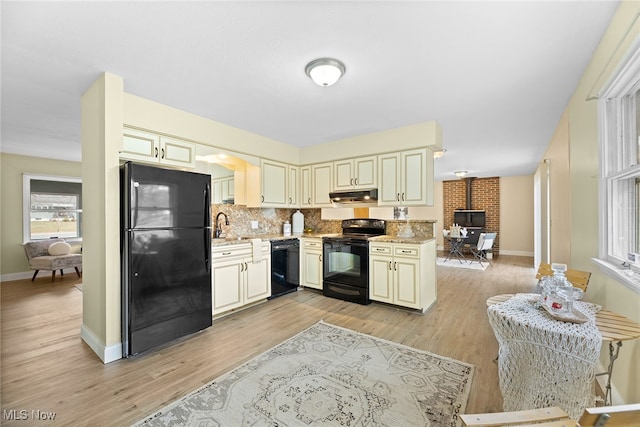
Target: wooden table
(613, 327)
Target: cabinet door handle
(262, 198)
(226, 253)
(403, 197)
(398, 197)
(405, 252)
(156, 151)
(290, 201)
(309, 201)
(395, 266)
(246, 266)
(355, 181)
(320, 257)
(389, 265)
(163, 153)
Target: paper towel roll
(298, 222)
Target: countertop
(273, 237)
(397, 239)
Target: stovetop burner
(363, 228)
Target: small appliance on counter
(298, 222)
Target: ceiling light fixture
(439, 153)
(460, 174)
(325, 71)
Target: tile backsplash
(271, 220)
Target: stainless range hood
(355, 197)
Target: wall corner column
(102, 120)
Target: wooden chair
(609, 416)
(579, 279)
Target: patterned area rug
(329, 376)
(454, 262)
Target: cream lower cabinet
(236, 279)
(403, 274)
(311, 263)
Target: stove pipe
(468, 205)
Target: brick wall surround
(485, 195)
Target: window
(52, 207)
(619, 119)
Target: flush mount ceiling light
(325, 71)
(439, 153)
(460, 174)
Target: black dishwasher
(285, 266)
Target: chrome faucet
(218, 231)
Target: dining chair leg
(77, 271)
(53, 275)
(34, 275)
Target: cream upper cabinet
(311, 263)
(355, 173)
(321, 184)
(405, 178)
(151, 148)
(293, 188)
(275, 188)
(403, 274)
(223, 190)
(273, 184)
(305, 187)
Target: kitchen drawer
(312, 244)
(407, 251)
(231, 251)
(380, 249)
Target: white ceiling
(496, 75)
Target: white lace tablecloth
(543, 361)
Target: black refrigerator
(166, 255)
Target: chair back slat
(485, 241)
(618, 416)
(579, 279)
(609, 416)
(516, 417)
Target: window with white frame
(52, 207)
(619, 118)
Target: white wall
(516, 215)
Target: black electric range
(346, 260)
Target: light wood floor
(47, 367)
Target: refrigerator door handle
(207, 227)
(207, 249)
(207, 207)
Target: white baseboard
(17, 276)
(29, 274)
(106, 354)
(515, 253)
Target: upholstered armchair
(51, 255)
